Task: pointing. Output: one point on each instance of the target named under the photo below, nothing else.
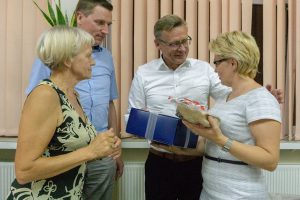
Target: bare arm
(40, 116)
(112, 118)
(112, 123)
(264, 154)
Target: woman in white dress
(247, 137)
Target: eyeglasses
(217, 62)
(177, 44)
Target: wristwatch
(227, 145)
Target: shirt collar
(97, 48)
(162, 65)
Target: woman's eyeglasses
(217, 62)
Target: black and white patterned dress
(71, 135)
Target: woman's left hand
(213, 133)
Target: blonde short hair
(239, 46)
(61, 43)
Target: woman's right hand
(212, 133)
(105, 144)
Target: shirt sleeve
(263, 105)
(39, 72)
(137, 98)
(113, 85)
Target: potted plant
(55, 16)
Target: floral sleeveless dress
(71, 135)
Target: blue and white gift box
(160, 128)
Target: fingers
(120, 168)
(117, 141)
(155, 145)
(210, 132)
(144, 108)
(110, 132)
(116, 148)
(280, 96)
(165, 147)
(269, 87)
(277, 93)
(110, 137)
(106, 144)
(116, 153)
(168, 148)
(187, 124)
(213, 122)
(119, 173)
(195, 128)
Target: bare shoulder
(43, 97)
(40, 116)
(43, 90)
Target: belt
(224, 160)
(172, 156)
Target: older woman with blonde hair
(247, 137)
(56, 139)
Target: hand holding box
(160, 128)
(192, 115)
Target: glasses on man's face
(177, 44)
(217, 62)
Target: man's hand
(120, 168)
(198, 151)
(277, 93)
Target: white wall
(68, 6)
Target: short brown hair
(87, 6)
(167, 23)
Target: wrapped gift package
(160, 128)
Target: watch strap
(227, 145)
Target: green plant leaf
(51, 12)
(56, 16)
(60, 17)
(49, 20)
(73, 20)
(67, 19)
